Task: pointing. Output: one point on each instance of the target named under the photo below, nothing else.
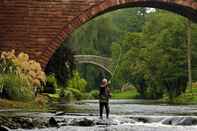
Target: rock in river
(3, 128)
(82, 122)
(185, 121)
(53, 122)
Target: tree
(61, 64)
(96, 38)
(189, 53)
(154, 60)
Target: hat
(104, 82)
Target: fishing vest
(104, 95)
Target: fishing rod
(117, 64)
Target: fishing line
(117, 64)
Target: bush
(51, 84)
(25, 73)
(154, 92)
(77, 82)
(94, 94)
(66, 95)
(22, 65)
(15, 87)
(76, 93)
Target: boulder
(2, 128)
(82, 122)
(53, 122)
(185, 121)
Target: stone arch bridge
(38, 27)
(102, 62)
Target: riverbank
(127, 94)
(39, 103)
(189, 97)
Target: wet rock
(8, 122)
(40, 122)
(171, 121)
(53, 122)
(106, 122)
(60, 113)
(185, 121)
(140, 119)
(102, 122)
(2, 128)
(126, 120)
(22, 122)
(82, 122)
(167, 121)
(27, 123)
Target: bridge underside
(38, 27)
(102, 62)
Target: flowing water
(125, 115)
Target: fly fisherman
(104, 95)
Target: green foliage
(93, 36)
(61, 64)
(78, 95)
(128, 94)
(154, 60)
(15, 87)
(7, 66)
(94, 94)
(97, 36)
(153, 48)
(16, 83)
(75, 89)
(67, 95)
(51, 84)
(76, 82)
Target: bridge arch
(102, 62)
(187, 8)
(99, 65)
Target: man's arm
(109, 92)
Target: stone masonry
(38, 27)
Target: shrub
(7, 66)
(66, 95)
(94, 94)
(51, 84)
(153, 92)
(76, 82)
(15, 87)
(21, 64)
(76, 93)
(76, 85)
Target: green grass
(187, 98)
(37, 104)
(128, 94)
(54, 97)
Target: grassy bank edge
(39, 104)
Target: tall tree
(154, 60)
(61, 64)
(189, 53)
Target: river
(126, 115)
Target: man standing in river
(104, 95)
